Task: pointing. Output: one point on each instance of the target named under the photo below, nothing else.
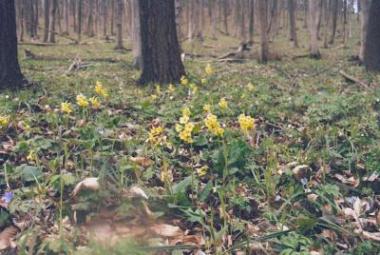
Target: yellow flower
(4, 120)
(194, 88)
(207, 108)
(223, 104)
(32, 156)
(153, 97)
(171, 88)
(185, 134)
(250, 87)
(213, 125)
(247, 123)
(203, 81)
(82, 101)
(178, 127)
(202, 171)
(186, 111)
(100, 90)
(166, 174)
(208, 69)
(66, 108)
(155, 135)
(184, 81)
(95, 103)
(184, 119)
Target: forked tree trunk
(372, 44)
(10, 72)
(292, 18)
(314, 10)
(161, 60)
(364, 14)
(262, 8)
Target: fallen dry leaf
(90, 183)
(142, 161)
(6, 238)
(166, 230)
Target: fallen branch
(353, 79)
(30, 55)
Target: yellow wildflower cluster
(209, 70)
(155, 135)
(4, 120)
(82, 101)
(100, 90)
(247, 123)
(66, 108)
(207, 108)
(202, 171)
(186, 133)
(223, 104)
(185, 115)
(194, 88)
(184, 81)
(95, 103)
(32, 156)
(213, 125)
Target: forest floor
(119, 179)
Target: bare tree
(119, 25)
(46, 19)
(136, 38)
(53, 19)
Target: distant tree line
(143, 22)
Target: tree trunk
(161, 60)
(66, 16)
(119, 25)
(90, 21)
(372, 44)
(262, 8)
(364, 14)
(314, 10)
(251, 21)
(334, 13)
(53, 20)
(105, 18)
(10, 72)
(225, 16)
(136, 39)
(79, 29)
(326, 24)
(46, 19)
(292, 18)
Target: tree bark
(161, 60)
(334, 14)
(372, 44)
(79, 29)
(364, 14)
(292, 18)
(10, 72)
(46, 19)
(119, 25)
(251, 21)
(136, 39)
(314, 10)
(262, 8)
(53, 20)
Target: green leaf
(28, 173)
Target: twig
(353, 79)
